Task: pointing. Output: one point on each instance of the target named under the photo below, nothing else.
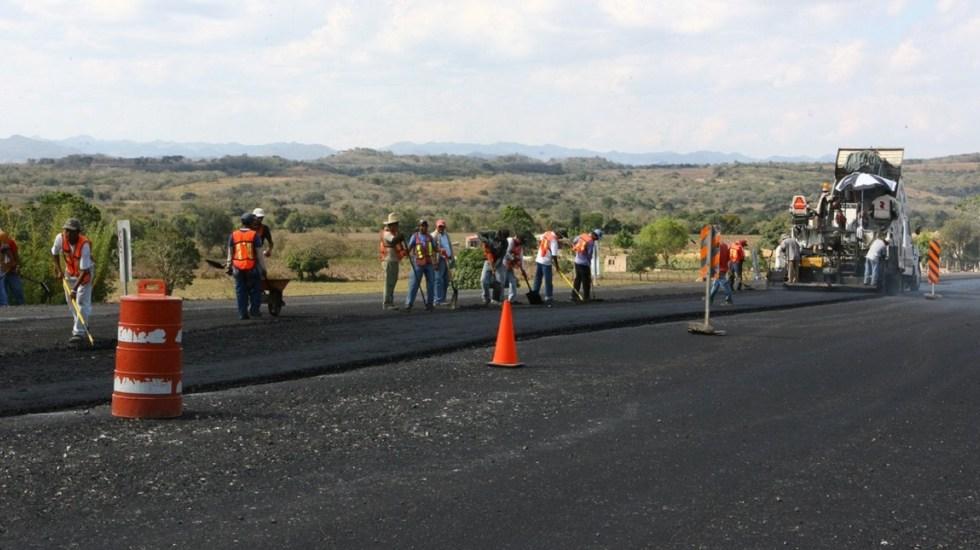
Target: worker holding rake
(77, 277)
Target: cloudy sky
(760, 78)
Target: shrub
(165, 254)
(469, 266)
(307, 262)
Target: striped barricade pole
(933, 263)
(709, 253)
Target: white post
(123, 235)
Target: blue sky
(761, 78)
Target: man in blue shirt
(584, 248)
(422, 254)
(446, 261)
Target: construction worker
(544, 264)
(494, 249)
(736, 258)
(11, 287)
(243, 249)
(266, 235)
(721, 278)
(790, 249)
(76, 249)
(872, 260)
(513, 260)
(422, 256)
(584, 248)
(392, 250)
(446, 261)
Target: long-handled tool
(454, 301)
(533, 296)
(44, 287)
(78, 311)
(569, 283)
(418, 279)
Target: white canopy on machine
(860, 181)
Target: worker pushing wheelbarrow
(270, 291)
(252, 287)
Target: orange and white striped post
(933, 263)
(709, 253)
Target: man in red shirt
(721, 279)
(11, 288)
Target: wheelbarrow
(271, 288)
(272, 294)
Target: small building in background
(614, 263)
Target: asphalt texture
(848, 425)
(317, 335)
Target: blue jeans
(442, 281)
(721, 282)
(3, 290)
(545, 273)
(15, 289)
(871, 271)
(248, 292)
(414, 282)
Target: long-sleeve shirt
(791, 249)
(444, 244)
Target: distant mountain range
(20, 149)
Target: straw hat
(392, 218)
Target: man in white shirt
(544, 264)
(872, 260)
(76, 249)
(791, 250)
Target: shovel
(454, 301)
(78, 312)
(533, 297)
(569, 283)
(44, 288)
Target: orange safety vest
(545, 245)
(243, 249)
(74, 258)
(517, 253)
(423, 249)
(383, 248)
(582, 243)
(736, 253)
(488, 254)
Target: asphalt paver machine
(866, 200)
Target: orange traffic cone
(505, 354)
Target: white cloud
(906, 57)
(845, 61)
(689, 17)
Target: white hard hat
(258, 213)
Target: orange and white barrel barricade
(933, 263)
(149, 355)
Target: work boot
(75, 339)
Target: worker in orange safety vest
(243, 249)
(391, 249)
(423, 252)
(76, 249)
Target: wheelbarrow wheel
(275, 302)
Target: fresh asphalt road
(850, 425)
(319, 335)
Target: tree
(519, 222)
(665, 236)
(212, 226)
(307, 262)
(165, 253)
(958, 236)
(624, 239)
(469, 267)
